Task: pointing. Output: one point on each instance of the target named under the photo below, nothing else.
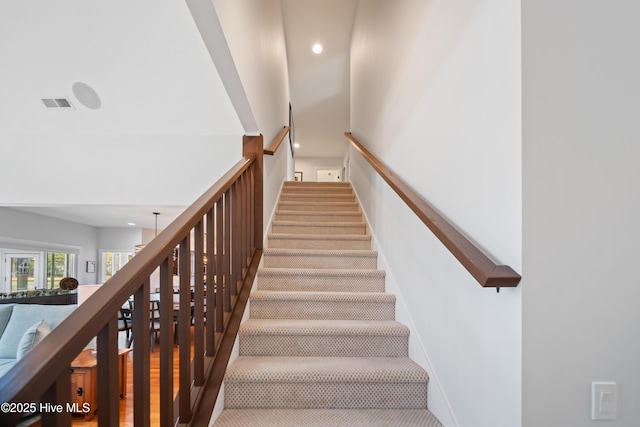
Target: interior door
(21, 271)
(328, 175)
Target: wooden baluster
(141, 375)
(235, 239)
(220, 272)
(210, 297)
(227, 251)
(198, 308)
(108, 385)
(58, 394)
(184, 331)
(166, 342)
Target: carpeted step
(296, 227)
(315, 184)
(324, 206)
(317, 189)
(321, 280)
(319, 241)
(323, 338)
(322, 305)
(325, 382)
(308, 216)
(327, 417)
(320, 258)
(318, 197)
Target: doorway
(328, 175)
(21, 271)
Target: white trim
(23, 244)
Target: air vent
(57, 103)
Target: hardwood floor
(126, 403)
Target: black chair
(124, 324)
(154, 327)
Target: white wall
(255, 35)
(25, 230)
(310, 165)
(114, 238)
(581, 205)
(435, 93)
(117, 170)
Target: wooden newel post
(251, 145)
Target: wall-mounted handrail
(483, 269)
(231, 213)
(273, 147)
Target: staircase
(321, 347)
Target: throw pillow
(31, 337)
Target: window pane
(112, 262)
(22, 274)
(59, 266)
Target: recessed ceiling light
(296, 145)
(131, 223)
(317, 48)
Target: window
(59, 265)
(112, 262)
(24, 270)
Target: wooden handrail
(277, 141)
(483, 269)
(43, 374)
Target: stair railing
(481, 267)
(224, 226)
(275, 144)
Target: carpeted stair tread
(325, 369)
(327, 417)
(326, 338)
(299, 227)
(326, 272)
(350, 297)
(323, 327)
(322, 305)
(325, 382)
(319, 241)
(327, 216)
(317, 197)
(324, 206)
(317, 190)
(320, 258)
(321, 280)
(305, 184)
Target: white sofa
(24, 325)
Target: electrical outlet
(604, 401)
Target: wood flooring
(126, 403)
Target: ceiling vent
(57, 103)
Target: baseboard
(438, 402)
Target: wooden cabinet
(84, 381)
